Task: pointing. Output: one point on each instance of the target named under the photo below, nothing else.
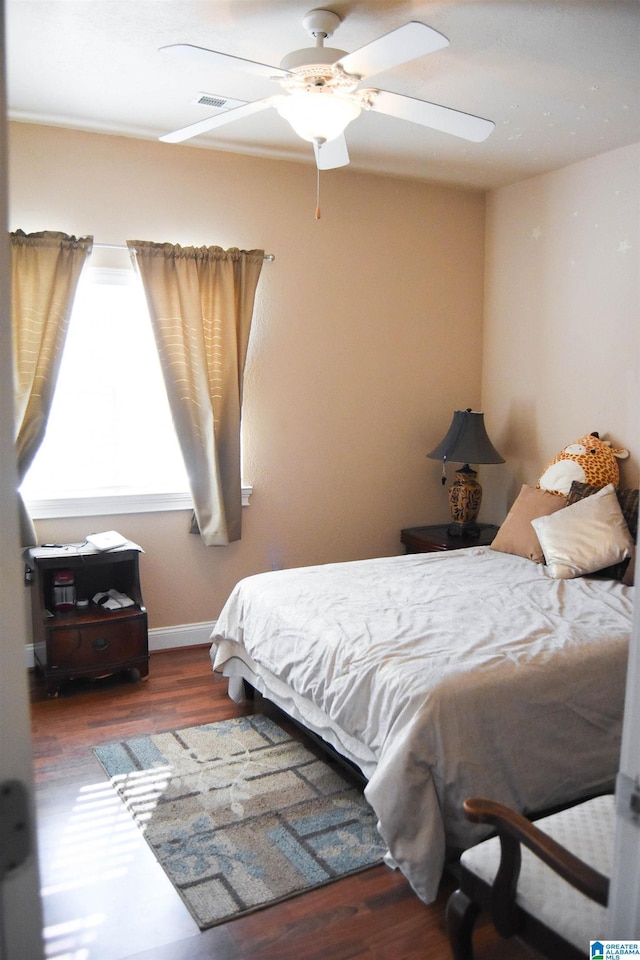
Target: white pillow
(585, 536)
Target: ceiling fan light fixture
(318, 116)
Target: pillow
(628, 500)
(586, 536)
(516, 535)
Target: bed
(441, 676)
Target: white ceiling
(561, 80)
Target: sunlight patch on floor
(71, 940)
(142, 789)
(97, 842)
(96, 845)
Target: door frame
(20, 903)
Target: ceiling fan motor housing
(316, 69)
(310, 57)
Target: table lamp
(465, 442)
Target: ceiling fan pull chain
(317, 193)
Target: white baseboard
(160, 638)
(184, 635)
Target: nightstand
(85, 640)
(436, 538)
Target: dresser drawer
(93, 646)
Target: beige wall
(367, 335)
(562, 318)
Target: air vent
(216, 102)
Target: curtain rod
(122, 246)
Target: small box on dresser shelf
(88, 616)
(436, 538)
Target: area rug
(240, 815)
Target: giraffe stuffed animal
(589, 460)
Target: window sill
(125, 503)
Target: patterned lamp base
(465, 497)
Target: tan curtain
(45, 269)
(201, 303)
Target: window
(110, 434)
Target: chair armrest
(514, 829)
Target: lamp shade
(318, 116)
(466, 441)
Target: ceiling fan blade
(445, 119)
(331, 154)
(412, 40)
(219, 120)
(213, 58)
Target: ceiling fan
(321, 88)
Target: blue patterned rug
(240, 815)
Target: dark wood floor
(106, 898)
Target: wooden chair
(539, 881)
